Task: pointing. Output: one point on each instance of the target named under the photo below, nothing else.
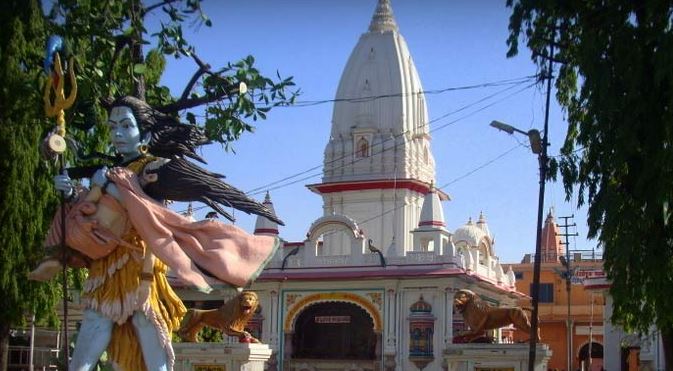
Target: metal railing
(43, 358)
(576, 256)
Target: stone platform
(494, 357)
(220, 357)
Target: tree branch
(120, 44)
(157, 5)
(192, 102)
(136, 46)
(554, 43)
(185, 102)
(203, 68)
(547, 57)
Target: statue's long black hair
(180, 179)
(169, 138)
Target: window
(518, 275)
(546, 292)
(362, 148)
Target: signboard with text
(581, 274)
(209, 368)
(332, 319)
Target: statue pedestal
(506, 357)
(220, 357)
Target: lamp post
(539, 147)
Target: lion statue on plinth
(230, 318)
(480, 316)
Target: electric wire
(266, 187)
(371, 98)
(384, 149)
(514, 82)
(442, 188)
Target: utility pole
(544, 166)
(568, 274)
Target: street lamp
(533, 135)
(539, 147)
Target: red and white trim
(365, 185)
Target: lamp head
(535, 141)
(502, 126)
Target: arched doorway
(335, 331)
(596, 356)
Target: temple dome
(421, 306)
(470, 233)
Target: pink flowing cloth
(226, 251)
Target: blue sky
(453, 44)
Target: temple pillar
(449, 293)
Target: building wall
(553, 315)
(383, 214)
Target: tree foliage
(615, 82)
(109, 40)
(26, 195)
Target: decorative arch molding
(305, 302)
(330, 223)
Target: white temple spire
(263, 225)
(481, 223)
(432, 215)
(383, 20)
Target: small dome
(421, 306)
(470, 233)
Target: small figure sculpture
(480, 316)
(230, 318)
(129, 239)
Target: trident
(56, 145)
(55, 84)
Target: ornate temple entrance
(334, 334)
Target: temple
(373, 283)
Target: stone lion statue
(230, 318)
(480, 316)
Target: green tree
(114, 54)
(27, 198)
(117, 55)
(615, 82)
